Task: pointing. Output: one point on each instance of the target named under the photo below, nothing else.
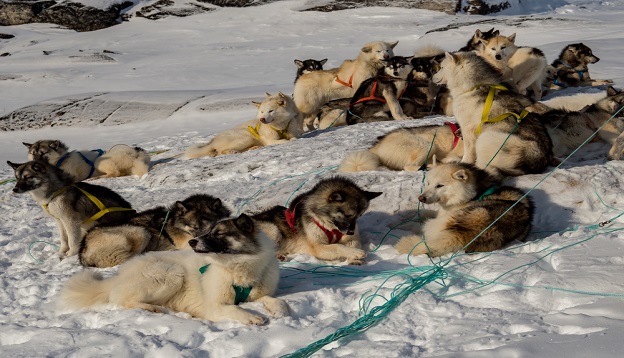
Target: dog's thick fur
(406, 149)
(120, 160)
(465, 212)
(528, 149)
(571, 67)
(307, 66)
(524, 67)
(69, 207)
(238, 254)
(314, 89)
(335, 204)
(278, 121)
(475, 44)
(157, 229)
(569, 130)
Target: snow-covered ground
(558, 295)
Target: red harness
(454, 128)
(350, 84)
(333, 236)
(372, 96)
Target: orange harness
(349, 84)
(373, 98)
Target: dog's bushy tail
(83, 290)
(407, 243)
(200, 150)
(359, 161)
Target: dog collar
(241, 293)
(455, 129)
(333, 236)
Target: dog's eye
(502, 48)
(493, 49)
(439, 186)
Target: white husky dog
(232, 263)
(312, 90)
(524, 66)
(277, 121)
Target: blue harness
(86, 160)
(581, 73)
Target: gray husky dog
(118, 161)
(571, 67)
(499, 135)
(470, 200)
(231, 264)
(569, 130)
(321, 222)
(76, 207)
(157, 229)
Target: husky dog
(277, 121)
(408, 149)
(232, 263)
(157, 229)
(423, 97)
(68, 202)
(307, 66)
(571, 67)
(504, 146)
(321, 222)
(569, 130)
(475, 44)
(524, 66)
(378, 95)
(118, 161)
(470, 201)
(314, 89)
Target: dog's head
(337, 203)
(499, 48)
(465, 70)
(277, 110)
(378, 50)
(197, 213)
(613, 102)
(228, 237)
(398, 66)
(30, 175)
(309, 65)
(474, 44)
(45, 149)
(580, 52)
(450, 184)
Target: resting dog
(157, 229)
(120, 160)
(307, 66)
(493, 138)
(232, 263)
(470, 200)
(314, 89)
(475, 44)
(571, 67)
(321, 222)
(277, 121)
(408, 149)
(75, 207)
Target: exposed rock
(448, 6)
(237, 3)
(165, 8)
(479, 7)
(6, 36)
(72, 15)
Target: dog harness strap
(282, 132)
(240, 293)
(454, 128)
(488, 106)
(254, 131)
(86, 160)
(333, 236)
(60, 161)
(350, 84)
(58, 192)
(489, 191)
(290, 219)
(103, 209)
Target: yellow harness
(103, 209)
(488, 106)
(282, 132)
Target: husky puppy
(475, 44)
(67, 202)
(157, 229)
(321, 222)
(120, 160)
(568, 130)
(470, 201)
(525, 149)
(408, 149)
(524, 66)
(378, 95)
(277, 121)
(571, 67)
(314, 89)
(307, 66)
(232, 263)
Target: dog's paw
(277, 308)
(602, 82)
(72, 252)
(252, 319)
(356, 255)
(355, 262)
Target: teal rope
(6, 181)
(34, 242)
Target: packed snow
(557, 295)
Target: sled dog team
(194, 257)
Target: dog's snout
(422, 198)
(263, 120)
(193, 243)
(498, 57)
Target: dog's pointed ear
(281, 95)
(450, 56)
(495, 33)
(267, 94)
(257, 104)
(611, 91)
(336, 196)
(55, 144)
(410, 58)
(483, 41)
(393, 44)
(14, 165)
(434, 160)
(28, 145)
(299, 63)
(216, 205)
(370, 195)
(461, 175)
(323, 61)
(179, 208)
(366, 49)
(512, 37)
(478, 34)
(244, 223)
(39, 167)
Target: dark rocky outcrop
(478, 7)
(448, 6)
(166, 8)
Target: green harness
(242, 293)
(490, 191)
